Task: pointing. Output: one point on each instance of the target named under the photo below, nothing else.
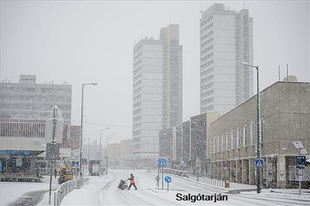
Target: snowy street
(103, 191)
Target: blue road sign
(300, 162)
(162, 162)
(168, 179)
(0, 166)
(259, 163)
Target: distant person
(132, 181)
(55, 173)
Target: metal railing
(66, 187)
(214, 182)
(209, 181)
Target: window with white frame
(245, 143)
(211, 146)
(223, 143)
(227, 141)
(262, 134)
(214, 146)
(232, 139)
(252, 133)
(218, 144)
(238, 138)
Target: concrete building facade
(147, 96)
(126, 148)
(24, 109)
(285, 113)
(157, 89)
(172, 76)
(226, 40)
(187, 146)
(29, 100)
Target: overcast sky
(83, 41)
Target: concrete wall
(285, 113)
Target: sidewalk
(250, 190)
(292, 194)
(235, 188)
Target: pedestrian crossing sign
(259, 163)
(162, 162)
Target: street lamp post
(100, 148)
(190, 143)
(81, 145)
(181, 145)
(170, 160)
(107, 156)
(258, 125)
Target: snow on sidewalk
(88, 194)
(12, 191)
(291, 194)
(250, 190)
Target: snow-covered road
(103, 191)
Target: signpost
(300, 162)
(162, 162)
(168, 179)
(53, 133)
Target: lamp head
(245, 63)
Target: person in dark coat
(132, 181)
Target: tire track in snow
(125, 198)
(133, 198)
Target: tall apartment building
(157, 89)
(226, 40)
(147, 95)
(172, 99)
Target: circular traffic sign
(168, 179)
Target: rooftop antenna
(287, 71)
(279, 73)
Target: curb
(264, 196)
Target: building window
(212, 146)
(262, 134)
(232, 139)
(238, 138)
(252, 133)
(223, 141)
(245, 143)
(227, 141)
(218, 144)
